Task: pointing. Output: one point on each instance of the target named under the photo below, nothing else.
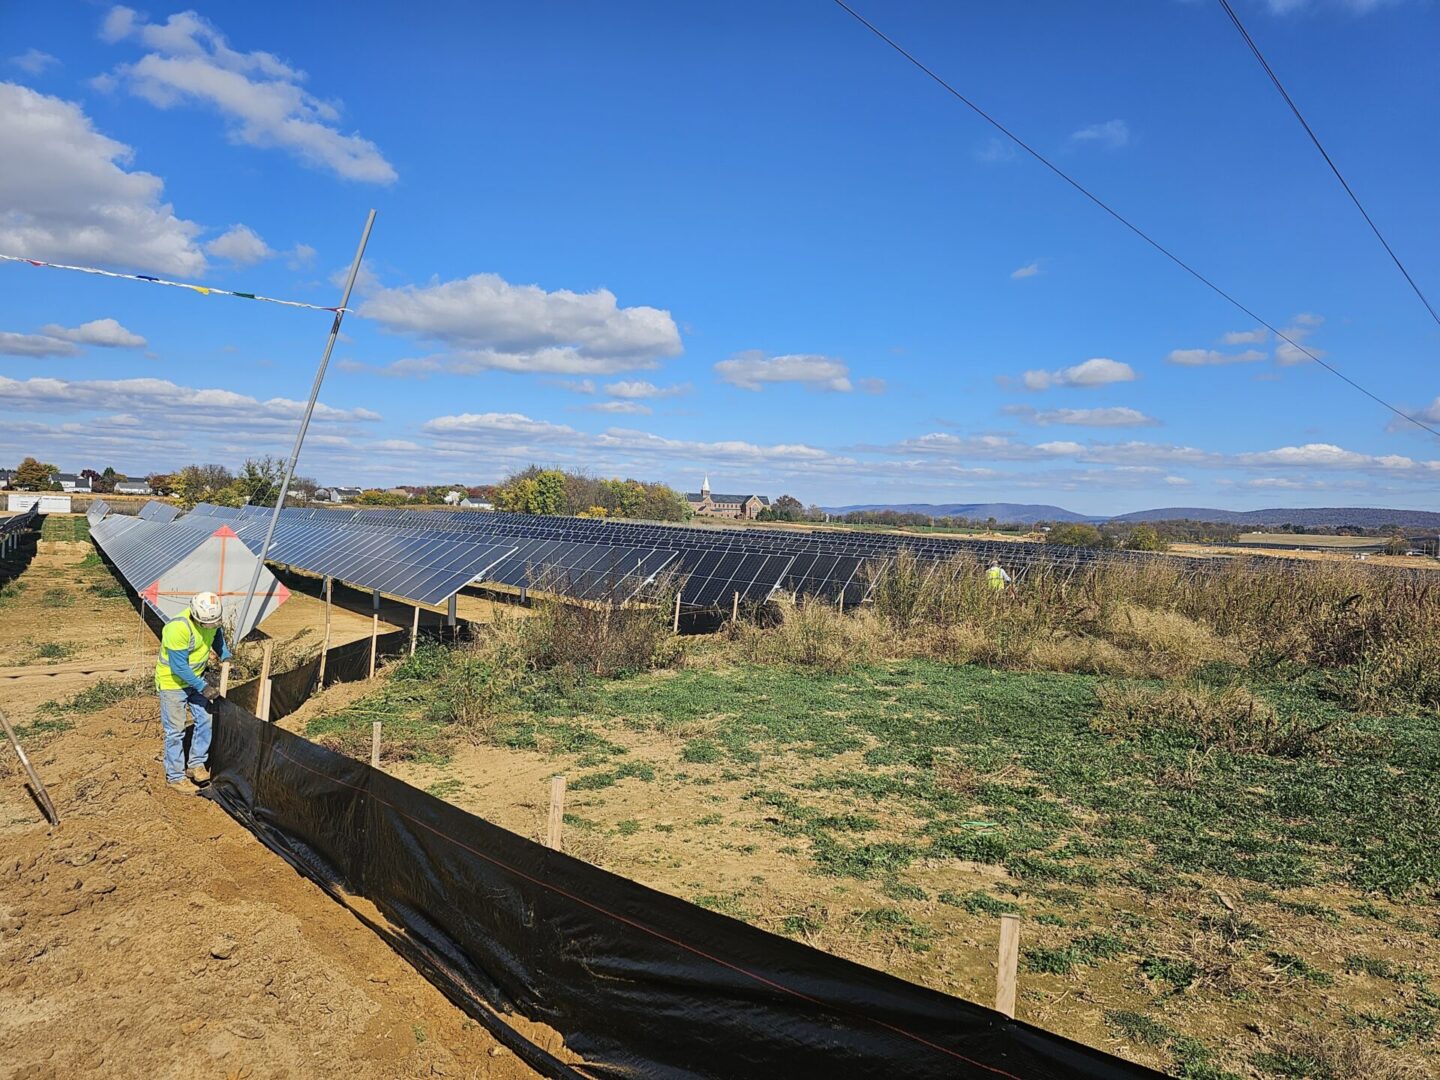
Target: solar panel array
(141, 551)
(158, 511)
(98, 509)
(21, 522)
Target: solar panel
(98, 509)
(158, 511)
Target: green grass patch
(100, 695)
(1084, 951)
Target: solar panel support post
(450, 618)
(414, 629)
(305, 420)
(325, 647)
(735, 608)
(374, 639)
(677, 611)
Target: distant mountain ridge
(1365, 517)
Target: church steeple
(705, 487)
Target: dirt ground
(149, 935)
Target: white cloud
(1258, 336)
(1204, 357)
(1302, 326)
(996, 151)
(165, 401)
(33, 61)
(36, 346)
(1177, 481)
(1113, 416)
(241, 245)
(494, 325)
(1354, 7)
(106, 333)
(72, 200)
(1027, 271)
(633, 407)
(751, 370)
(1112, 134)
(258, 93)
(639, 388)
(301, 257)
(1324, 455)
(1097, 371)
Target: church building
(705, 503)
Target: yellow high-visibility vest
(183, 634)
(996, 577)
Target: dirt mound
(149, 935)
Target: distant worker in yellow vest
(998, 579)
(186, 645)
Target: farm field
(1226, 866)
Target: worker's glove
(211, 692)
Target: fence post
(556, 820)
(735, 609)
(450, 619)
(224, 678)
(374, 639)
(1008, 962)
(375, 745)
(263, 709)
(414, 629)
(677, 611)
(325, 647)
(263, 698)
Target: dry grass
(1337, 1055)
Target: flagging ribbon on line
(203, 290)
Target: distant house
(71, 482)
(454, 498)
(476, 504)
(132, 487)
(705, 503)
(337, 494)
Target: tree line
(535, 490)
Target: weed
(608, 778)
(1297, 968)
(444, 789)
(979, 903)
(628, 827)
(896, 926)
(101, 695)
(1306, 1054)
(1178, 973)
(895, 889)
(1082, 952)
(57, 598)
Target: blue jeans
(173, 704)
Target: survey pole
(305, 419)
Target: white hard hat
(205, 607)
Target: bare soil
(149, 935)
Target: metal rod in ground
(375, 744)
(325, 647)
(1007, 965)
(305, 422)
(40, 793)
(556, 821)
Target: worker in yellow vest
(186, 645)
(998, 579)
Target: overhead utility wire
(1234, 18)
(1196, 274)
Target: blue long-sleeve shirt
(179, 662)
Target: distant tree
(376, 497)
(1145, 538)
(205, 483)
(540, 493)
(1397, 545)
(161, 483)
(1076, 534)
(302, 490)
(96, 479)
(785, 508)
(259, 481)
(33, 475)
(108, 479)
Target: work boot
(180, 787)
(199, 775)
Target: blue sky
(661, 240)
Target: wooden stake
(374, 640)
(40, 793)
(224, 678)
(1009, 959)
(450, 618)
(557, 813)
(375, 745)
(735, 609)
(325, 647)
(414, 631)
(262, 702)
(677, 612)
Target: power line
(1196, 274)
(1234, 18)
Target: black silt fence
(639, 984)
